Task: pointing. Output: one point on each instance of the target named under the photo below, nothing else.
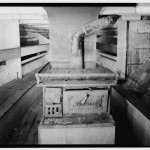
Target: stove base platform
(77, 130)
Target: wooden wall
(138, 44)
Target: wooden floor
(26, 131)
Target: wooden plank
(7, 90)
(122, 47)
(108, 63)
(32, 30)
(138, 55)
(26, 68)
(131, 17)
(107, 48)
(106, 55)
(117, 10)
(140, 26)
(33, 134)
(9, 121)
(132, 68)
(21, 128)
(20, 16)
(6, 54)
(33, 58)
(41, 22)
(140, 40)
(34, 49)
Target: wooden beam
(32, 30)
(28, 50)
(131, 17)
(117, 10)
(41, 22)
(32, 58)
(107, 55)
(122, 47)
(28, 67)
(11, 53)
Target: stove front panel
(85, 101)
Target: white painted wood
(10, 71)
(33, 49)
(13, 68)
(117, 10)
(131, 17)
(26, 68)
(122, 48)
(18, 16)
(10, 53)
(32, 58)
(35, 21)
(143, 9)
(9, 34)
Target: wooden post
(122, 47)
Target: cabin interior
(75, 75)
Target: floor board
(27, 129)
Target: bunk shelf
(28, 50)
(34, 44)
(106, 55)
(33, 58)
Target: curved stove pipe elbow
(76, 60)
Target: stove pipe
(76, 61)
